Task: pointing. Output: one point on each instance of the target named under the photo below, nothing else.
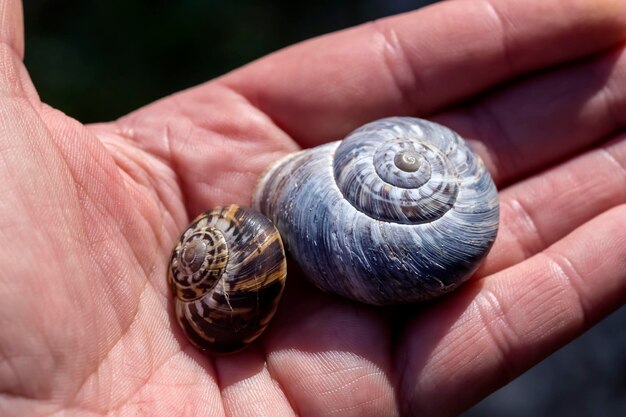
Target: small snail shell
(400, 211)
(227, 273)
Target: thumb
(12, 26)
(14, 79)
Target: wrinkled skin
(89, 215)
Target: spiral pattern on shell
(227, 272)
(401, 210)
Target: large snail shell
(401, 210)
(227, 273)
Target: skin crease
(89, 215)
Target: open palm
(88, 216)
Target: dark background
(97, 60)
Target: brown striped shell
(227, 272)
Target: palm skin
(89, 215)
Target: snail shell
(227, 272)
(399, 211)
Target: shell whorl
(227, 272)
(389, 171)
(399, 211)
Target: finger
(546, 118)
(419, 62)
(248, 387)
(541, 210)
(532, 123)
(331, 358)
(14, 80)
(474, 342)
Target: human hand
(89, 214)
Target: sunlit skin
(89, 214)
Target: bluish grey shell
(227, 272)
(401, 210)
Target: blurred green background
(98, 60)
